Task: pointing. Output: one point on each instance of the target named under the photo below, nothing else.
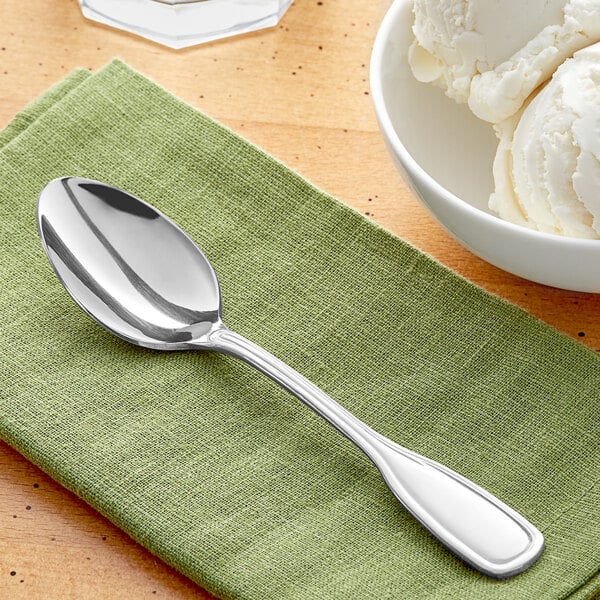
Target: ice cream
(493, 54)
(547, 168)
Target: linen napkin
(211, 466)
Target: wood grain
(301, 92)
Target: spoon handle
(472, 523)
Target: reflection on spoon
(142, 278)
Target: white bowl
(446, 154)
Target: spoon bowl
(141, 277)
(128, 266)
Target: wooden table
(301, 92)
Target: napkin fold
(212, 467)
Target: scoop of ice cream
(547, 167)
(492, 55)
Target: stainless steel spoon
(142, 278)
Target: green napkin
(211, 466)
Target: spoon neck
(228, 342)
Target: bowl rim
(416, 170)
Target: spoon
(139, 276)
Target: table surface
(299, 90)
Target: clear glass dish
(182, 23)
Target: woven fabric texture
(211, 466)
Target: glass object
(181, 23)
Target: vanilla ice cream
(493, 54)
(547, 168)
